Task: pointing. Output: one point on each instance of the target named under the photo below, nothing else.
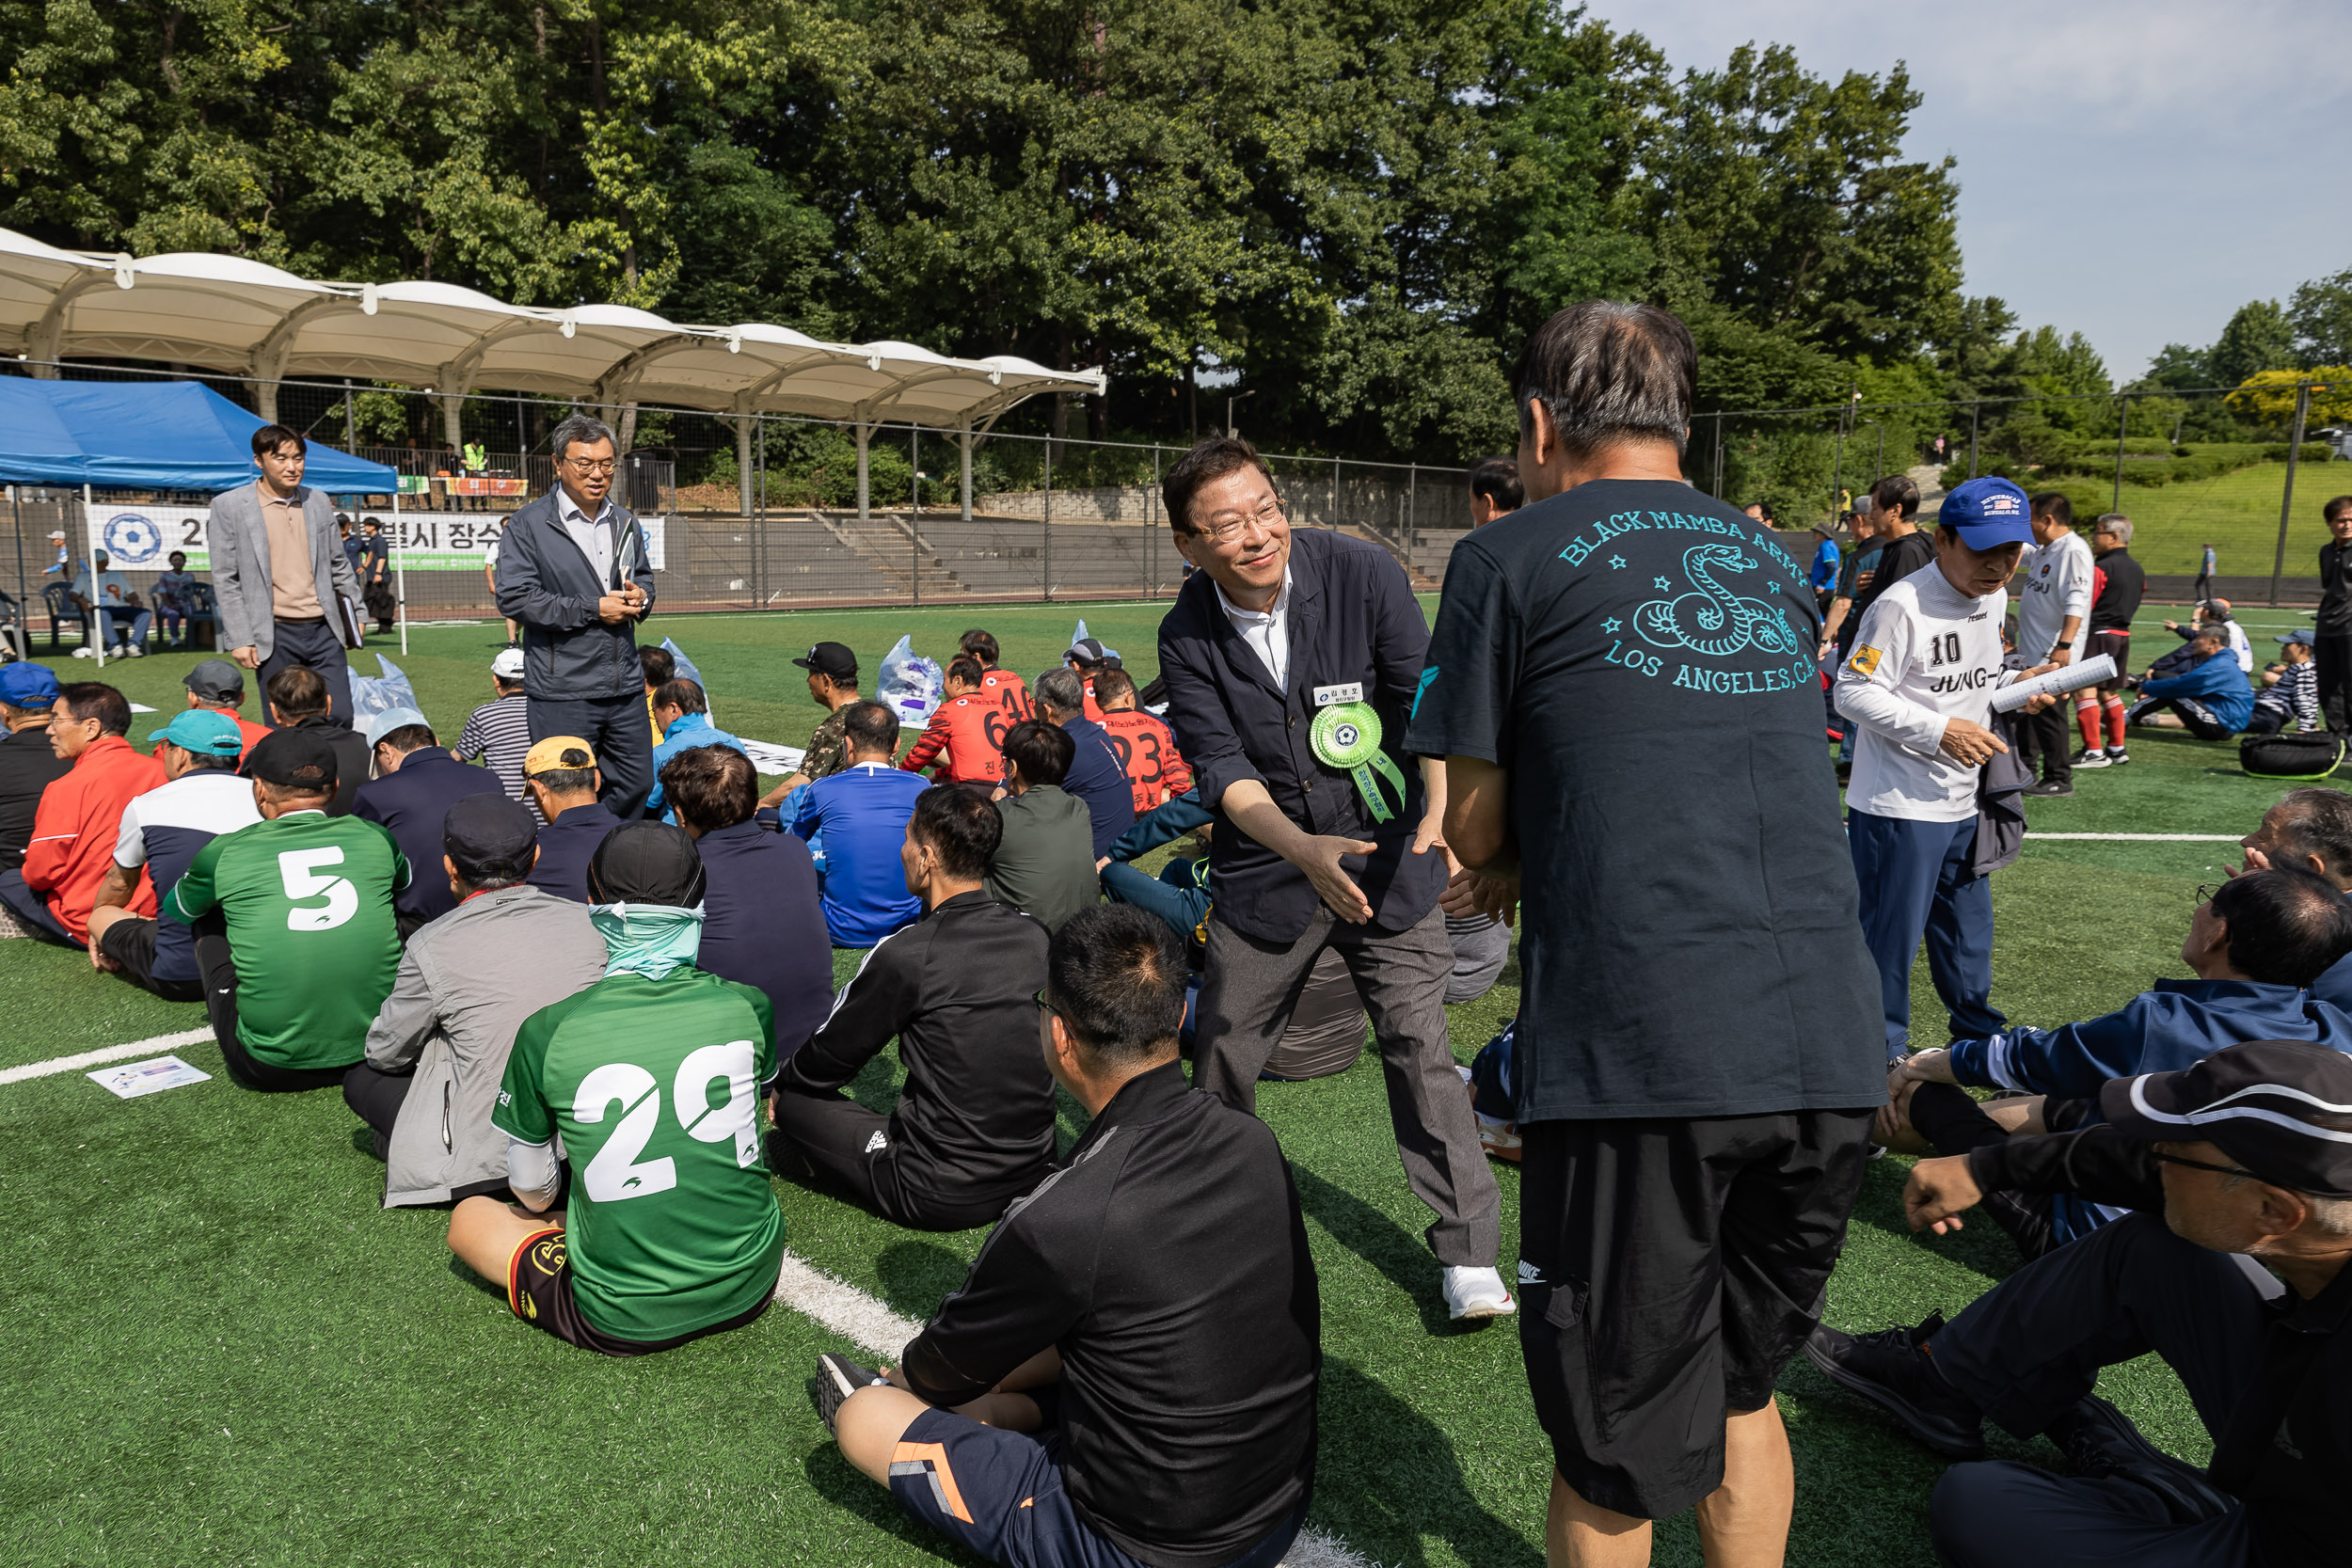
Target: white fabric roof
(229, 314)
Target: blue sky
(2132, 171)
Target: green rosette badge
(1347, 735)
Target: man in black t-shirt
(1902, 548)
(2118, 585)
(2331, 647)
(1699, 1047)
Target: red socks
(2087, 717)
(2114, 722)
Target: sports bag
(2291, 756)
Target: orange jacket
(1146, 750)
(966, 738)
(74, 829)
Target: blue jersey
(863, 812)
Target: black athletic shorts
(2117, 646)
(1667, 1271)
(539, 1291)
(131, 942)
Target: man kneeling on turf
(652, 1076)
(1127, 1376)
(974, 1127)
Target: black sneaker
(1894, 1370)
(2101, 1443)
(2090, 756)
(2050, 789)
(837, 1378)
(2118, 757)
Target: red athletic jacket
(1147, 750)
(1010, 694)
(74, 830)
(966, 737)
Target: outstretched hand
(1318, 855)
(1472, 893)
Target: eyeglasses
(2205, 892)
(1229, 530)
(2199, 1164)
(593, 465)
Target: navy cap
(1988, 513)
(488, 826)
(2293, 637)
(28, 685)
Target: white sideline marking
(104, 1054)
(2148, 838)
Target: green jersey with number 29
(655, 1085)
(307, 901)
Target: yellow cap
(557, 752)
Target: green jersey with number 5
(655, 1085)
(307, 902)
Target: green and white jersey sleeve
(655, 1088)
(308, 903)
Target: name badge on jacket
(1351, 692)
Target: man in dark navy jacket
(1096, 776)
(1292, 660)
(417, 781)
(762, 924)
(560, 776)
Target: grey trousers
(1246, 1001)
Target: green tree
(2259, 337)
(2321, 314)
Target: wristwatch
(2056, 646)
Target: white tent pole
(400, 568)
(90, 564)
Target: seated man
(2254, 945)
(1095, 776)
(2233, 1269)
(763, 926)
(963, 743)
(80, 817)
(561, 775)
(1087, 659)
(415, 782)
(2293, 693)
(498, 734)
(2211, 700)
(1043, 863)
(437, 1051)
(28, 764)
(114, 608)
(974, 1126)
(1140, 1337)
(218, 686)
(862, 810)
(1010, 692)
(294, 934)
(1145, 745)
(652, 1078)
(299, 699)
(684, 714)
(202, 799)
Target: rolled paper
(2051, 683)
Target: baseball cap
(1087, 650)
(557, 751)
(203, 732)
(393, 718)
(2291, 637)
(508, 665)
(301, 757)
(2280, 1108)
(488, 826)
(831, 658)
(1987, 512)
(646, 862)
(27, 685)
(56, 533)
(215, 680)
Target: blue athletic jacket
(2174, 1025)
(2220, 685)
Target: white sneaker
(1477, 1294)
(84, 652)
(131, 650)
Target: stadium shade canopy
(149, 435)
(241, 317)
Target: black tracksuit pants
(855, 1149)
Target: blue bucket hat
(1988, 513)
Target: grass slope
(2237, 513)
(226, 1352)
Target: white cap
(508, 666)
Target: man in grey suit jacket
(572, 573)
(284, 585)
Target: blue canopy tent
(155, 436)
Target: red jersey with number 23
(1147, 750)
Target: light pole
(1232, 431)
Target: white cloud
(2132, 170)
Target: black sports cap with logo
(215, 680)
(832, 660)
(301, 757)
(487, 828)
(2282, 1109)
(646, 862)
(1087, 650)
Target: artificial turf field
(223, 1350)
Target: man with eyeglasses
(573, 574)
(1293, 660)
(2255, 943)
(2232, 1267)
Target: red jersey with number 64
(1147, 750)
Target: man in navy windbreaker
(2211, 698)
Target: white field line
(104, 1054)
(2144, 838)
(849, 1311)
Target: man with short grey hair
(572, 573)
